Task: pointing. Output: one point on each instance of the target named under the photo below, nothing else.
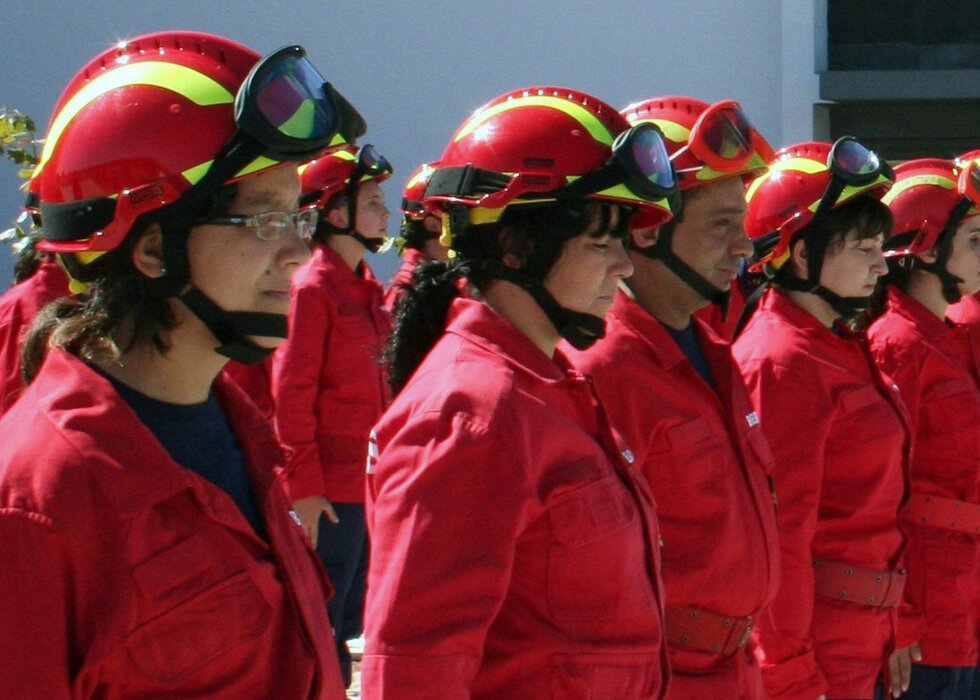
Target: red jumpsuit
(707, 462)
(127, 576)
(403, 277)
(18, 307)
(514, 547)
(327, 378)
(935, 368)
(839, 438)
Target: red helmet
(706, 142)
(925, 193)
(548, 143)
(412, 207)
(964, 158)
(786, 198)
(149, 118)
(331, 173)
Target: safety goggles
(851, 164)
(724, 139)
(369, 164)
(284, 110)
(639, 160)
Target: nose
(620, 265)
(293, 248)
(878, 266)
(740, 245)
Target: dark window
(903, 34)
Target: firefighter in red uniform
(669, 383)
(515, 549)
(419, 237)
(327, 378)
(146, 541)
(935, 259)
(837, 427)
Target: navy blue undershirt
(198, 437)
(687, 341)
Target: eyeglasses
(724, 139)
(272, 225)
(284, 110)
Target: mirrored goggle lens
(370, 161)
(727, 134)
(290, 95)
(852, 158)
(649, 155)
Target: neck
(814, 305)
(350, 250)
(662, 293)
(434, 250)
(517, 306)
(183, 376)
(927, 289)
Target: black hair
(533, 235)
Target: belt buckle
(744, 639)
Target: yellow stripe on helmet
(186, 82)
(597, 130)
(937, 180)
(678, 133)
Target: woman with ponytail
(515, 550)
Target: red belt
(942, 512)
(704, 630)
(857, 585)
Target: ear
(798, 255)
(432, 224)
(148, 253)
(644, 237)
(930, 256)
(336, 217)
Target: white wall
(416, 69)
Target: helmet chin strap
(848, 307)
(663, 251)
(231, 328)
(581, 330)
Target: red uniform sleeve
(35, 649)
(296, 372)
(445, 509)
(795, 422)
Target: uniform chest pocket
(865, 417)
(597, 557)
(196, 616)
(950, 407)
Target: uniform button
(628, 456)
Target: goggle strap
(465, 181)
(74, 221)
